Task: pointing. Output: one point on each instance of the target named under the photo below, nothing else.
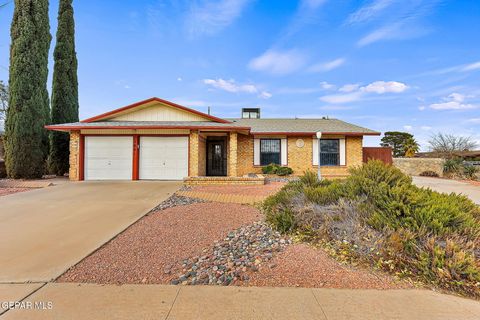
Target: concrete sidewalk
(89, 301)
(449, 186)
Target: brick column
(74, 155)
(193, 161)
(232, 159)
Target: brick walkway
(227, 198)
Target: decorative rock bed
(229, 261)
(176, 200)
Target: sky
(388, 65)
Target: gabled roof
(132, 107)
(147, 125)
(302, 126)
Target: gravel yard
(189, 241)
(7, 191)
(159, 242)
(301, 265)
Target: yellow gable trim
(157, 111)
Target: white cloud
(336, 108)
(381, 87)
(179, 79)
(369, 11)
(472, 66)
(353, 92)
(408, 127)
(278, 62)
(454, 101)
(342, 98)
(233, 87)
(265, 95)
(209, 16)
(383, 33)
(421, 108)
(349, 87)
(327, 86)
(474, 120)
(327, 66)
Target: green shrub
(452, 166)
(382, 218)
(310, 179)
(270, 169)
(284, 171)
(283, 221)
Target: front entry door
(216, 158)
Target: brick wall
(233, 154)
(300, 158)
(202, 156)
(74, 150)
(194, 146)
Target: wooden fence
(378, 153)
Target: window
(270, 151)
(329, 152)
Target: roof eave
(84, 127)
(314, 132)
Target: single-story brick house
(156, 139)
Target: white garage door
(163, 158)
(108, 158)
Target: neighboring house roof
(310, 126)
(116, 119)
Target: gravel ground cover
(254, 190)
(175, 201)
(301, 265)
(228, 261)
(145, 252)
(7, 191)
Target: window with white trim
(270, 151)
(330, 152)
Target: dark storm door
(216, 158)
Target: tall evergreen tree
(65, 87)
(26, 140)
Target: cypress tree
(26, 140)
(64, 89)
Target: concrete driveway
(449, 186)
(46, 231)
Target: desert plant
(429, 173)
(470, 172)
(378, 216)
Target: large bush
(378, 216)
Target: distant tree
(410, 147)
(396, 140)
(26, 140)
(3, 100)
(64, 89)
(448, 144)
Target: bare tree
(448, 144)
